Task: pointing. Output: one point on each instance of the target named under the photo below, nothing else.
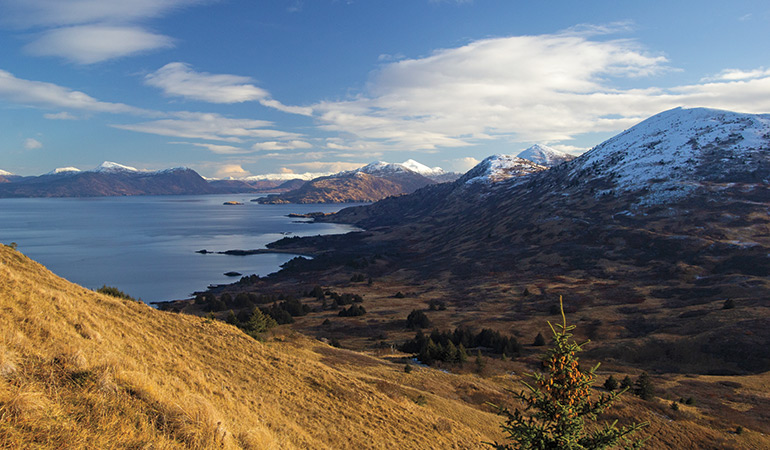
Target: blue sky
(245, 87)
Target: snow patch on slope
(497, 168)
(669, 154)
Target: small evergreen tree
(626, 384)
(610, 383)
(728, 304)
(480, 363)
(559, 402)
(539, 340)
(643, 387)
(408, 368)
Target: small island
(232, 203)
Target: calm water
(146, 246)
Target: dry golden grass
(83, 370)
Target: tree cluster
(253, 323)
(353, 311)
(451, 346)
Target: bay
(145, 245)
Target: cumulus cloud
(38, 93)
(32, 144)
(275, 145)
(180, 80)
(212, 127)
(88, 44)
(544, 88)
(463, 165)
(231, 171)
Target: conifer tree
(559, 402)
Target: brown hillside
(80, 369)
(351, 188)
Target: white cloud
(180, 80)
(738, 75)
(463, 165)
(60, 116)
(26, 13)
(213, 127)
(216, 148)
(32, 144)
(231, 171)
(545, 88)
(324, 166)
(275, 145)
(90, 31)
(38, 93)
(89, 44)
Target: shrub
(539, 340)
(114, 292)
(729, 304)
(559, 402)
(417, 319)
(408, 368)
(399, 294)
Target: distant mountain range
(370, 183)
(113, 179)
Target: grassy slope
(80, 369)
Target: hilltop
(545, 155)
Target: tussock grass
(79, 369)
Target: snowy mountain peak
(408, 166)
(63, 170)
(674, 152)
(112, 167)
(498, 168)
(545, 155)
(422, 169)
(4, 173)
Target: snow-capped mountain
(4, 173)
(422, 169)
(677, 151)
(112, 167)
(380, 168)
(64, 170)
(545, 155)
(497, 168)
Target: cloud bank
(545, 88)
